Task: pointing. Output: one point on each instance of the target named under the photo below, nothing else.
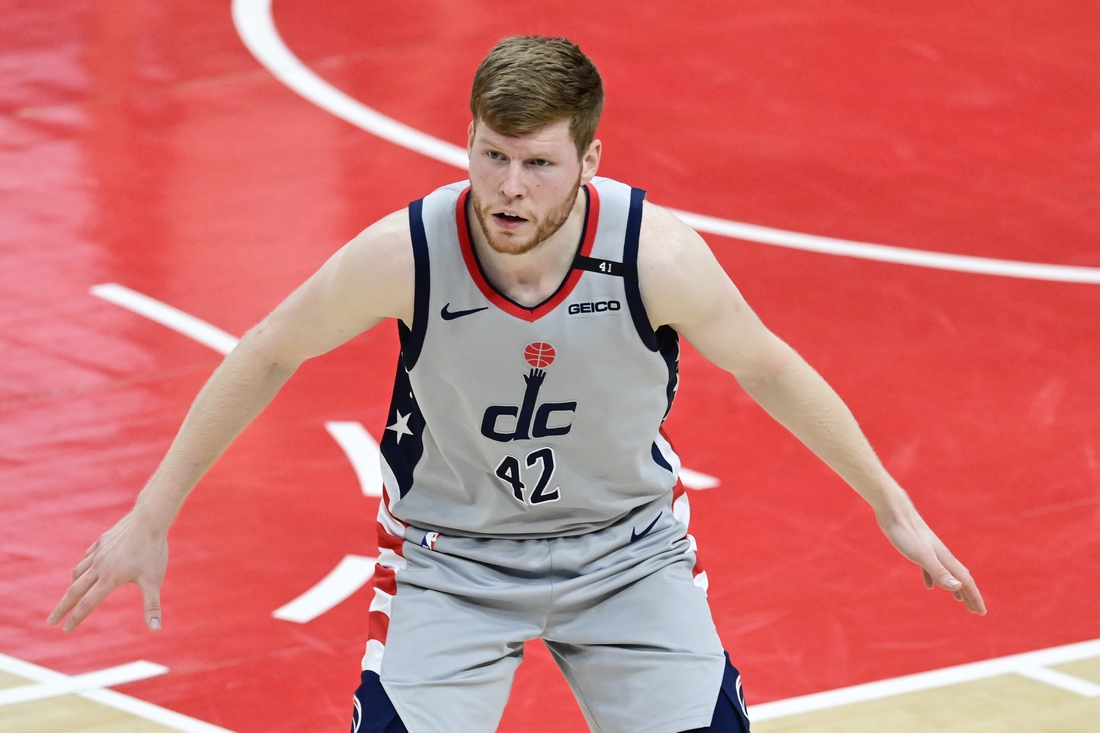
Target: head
(528, 82)
(536, 103)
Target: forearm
(803, 402)
(236, 393)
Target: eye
(540, 162)
(495, 155)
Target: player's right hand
(130, 552)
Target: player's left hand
(914, 539)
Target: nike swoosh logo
(451, 315)
(635, 535)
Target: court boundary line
(1025, 664)
(163, 716)
(255, 25)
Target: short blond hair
(528, 82)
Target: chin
(511, 245)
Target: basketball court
(906, 193)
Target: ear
(470, 137)
(590, 162)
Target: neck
(532, 277)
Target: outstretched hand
(913, 538)
(129, 552)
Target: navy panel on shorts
(731, 715)
(374, 713)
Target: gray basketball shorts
(618, 610)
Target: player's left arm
(684, 287)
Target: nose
(514, 186)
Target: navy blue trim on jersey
(412, 340)
(630, 260)
(668, 344)
(373, 712)
(402, 443)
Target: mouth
(508, 221)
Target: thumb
(151, 601)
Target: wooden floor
(68, 714)
(1004, 703)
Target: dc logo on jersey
(532, 420)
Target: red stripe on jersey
(378, 626)
(387, 541)
(385, 580)
(591, 223)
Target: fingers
(87, 604)
(963, 588)
(82, 567)
(971, 597)
(943, 578)
(928, 582)
(75, 592)
(150, 594)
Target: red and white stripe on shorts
(681, 509)
(391, 539)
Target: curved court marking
(256, 27)
(362, 452)
(90, 686)
(349, 575)
(166, 315)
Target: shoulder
(677, 272)
(375, 272)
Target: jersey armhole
(412, 339)
(630, 260)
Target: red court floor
(142, 144)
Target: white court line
(1061, 679)
(115, 675)
(166, 315)
(362, 451)
(81, 683)
(257, 30)
(351, 574)
(1024, 664)
(698, 481)
(895, 255)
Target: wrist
(153, 515)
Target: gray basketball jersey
(515, 422)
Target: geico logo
(599, 306)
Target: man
(528, 488)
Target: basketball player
(529, 491)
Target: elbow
(768, 365)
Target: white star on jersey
(400, 425)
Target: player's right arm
(369, 279)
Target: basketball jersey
(521, 422)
